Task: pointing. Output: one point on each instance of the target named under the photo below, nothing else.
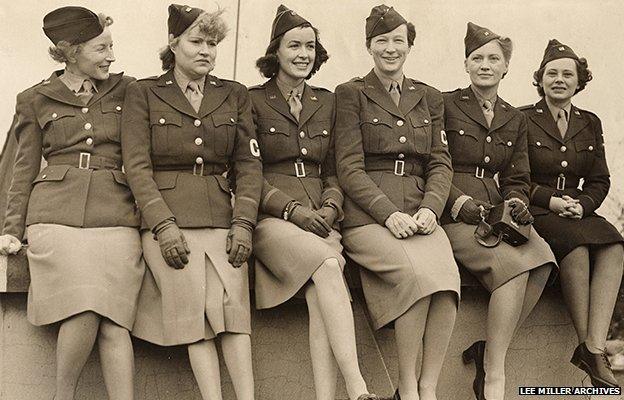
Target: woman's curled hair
(582, 71)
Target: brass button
(44, 176)
(461, 132)
(118, 108)
(486, 159)
(197, 122)
(426, 121)
(89, 141)
(302, 134)
(538, 144)
(199, 160)
(85, 110)
(488, 139)
(54, 115)
(590, 148)
(232, 120)
(564, 163)
(198, 141)
(509, 144)
(375, 120)
(402, 139)
(400, 122)
(304, 151)
(271, 129)
(87, 126)
(563, 149)
(401, 156)
(162, 120)
(325, 132)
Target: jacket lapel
(168, 91)
(55, 89)
(576, 123)
(501, 115)
(410, 96)
(215, 94)
(374, 90)
(276, 100)
(541, 116)
(467, 102)
(106, 86)
(310, 104)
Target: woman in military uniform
(487, 137)
(566, 148)
(78, 214)
(180, 133)
(394, 166)
(296, 245)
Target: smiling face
(296, 54)
(486, 65)
(560, 80)
(195, 53)
(389, 51)
(94, 58)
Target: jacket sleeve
(597, 180)
(438, 171)
(515, 177)
(332, 193)
(246, 162)
(26, 167)
(136, 152)
(350, 157)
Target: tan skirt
(497, 265)
(207, 297)
(286, 258)
(397, 273)
(73, 270)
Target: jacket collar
(542, 117)
(468, 103)
(410, 95)
(309, 101)
(55, 89)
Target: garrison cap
(72, 24)
(382, 19)
(181, 17)
(285, 20)
(555, 50)
(477, 36)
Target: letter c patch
(254, 148)
(443, 138)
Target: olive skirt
(286, 258)
(496, 265)
(73, 270)
(207, 297)
(396, 273)
(565, 234)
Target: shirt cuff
(459, 203)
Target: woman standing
(566, 147)
(487, 137)
(78, 215)
(394, 166)
(296, 245)
(181, 132)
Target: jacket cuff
(433, 202)
(156, 212)
(381, 209)
(541, 197)
(459, 203)
(589, 206)
(519, 195)
(245, 208)
(330, 202)
(275, 201)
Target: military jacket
(51, 121)
(480, 152)
(409, 139)
(175, 157)
(574, 165)
(284, 141)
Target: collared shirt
(74, 82)
(554, 110)
(387, 83)
(285, 88)
(481, 99)
(183, 81)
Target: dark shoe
(475, 353)
(396, 395)
(597, 366)
(368, 396)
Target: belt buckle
(300, 171)
(561, 182)
(84, 162)
(399, 167)
(201, 169)
(479, 172)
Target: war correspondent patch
(254, 148)
(443, 137)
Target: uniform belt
(559, 182)
(298, 168)
(204, 169)
(398, 167)
(476, 170)
(85, 161)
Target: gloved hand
(470, 211)
(238, 244)
(309, 220)
(172, 244)
(328, 213)
(9, 244)
(520, 212)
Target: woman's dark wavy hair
(269, 64)
(584, 76)
(411, 35)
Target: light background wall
(593, 28)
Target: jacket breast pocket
(505, 145)
(274, 138)
(165, 125)
(422, 134)
(585, 155)
(463, 138)
(57, 126)
(319, 132)
(373, 129)
(224, 132)
(111, 116)
(541, 156)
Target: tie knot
(193, 86)
(563, 114)
(87, 86)
(487, 105)
(394, 87)
(295, 94)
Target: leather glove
(9, 244)
(309, 220)
(470, 211)
(172, 244)
(328, 213)
(520, 212)
(238, 244)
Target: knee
(110, 331)
(329, 272)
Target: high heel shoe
(597, 366)
(475, 353)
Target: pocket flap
(377, 120)
(120, 177)
(273, 126)
(419, 121)
(320, 128)
(46, 116)
(166, 179)
(584, 145)
(112, 105)
(229, 118)
(539, 144)
(52, 173)
(165, 118)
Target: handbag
(498, 223)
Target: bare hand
(573, 209)
(401, 225)
(9, 244)
(426, 220)
(557, 205)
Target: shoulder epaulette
(320, 88)
(256, 87)
(149, 78)
(452, 91)
(527, 107)
(357, 79)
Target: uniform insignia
(412, 88)
(313, 98)
(561, 48)
(443, 138)
(539, 110)
(169, 82)
(504, 106)
(45, 82)
(188, 9)
(272, 97)
(576, 112)
(213, 82)
(254, 148)
(465, 98)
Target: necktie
(395, 93)
(488, 111)
(562, 122)
(86, 92)
(294, 103)
(193, 95)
